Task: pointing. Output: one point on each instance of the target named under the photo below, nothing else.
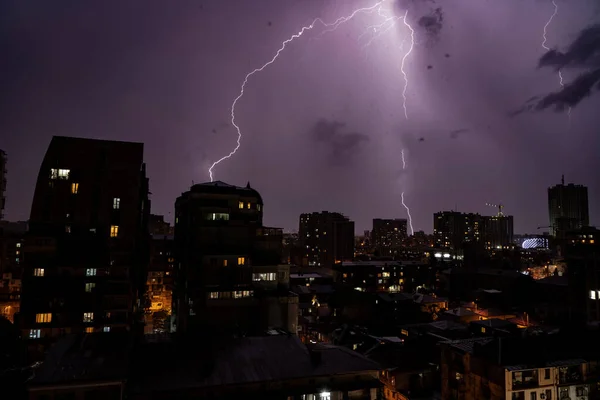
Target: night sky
(324, 126)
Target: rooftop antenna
(563, 179)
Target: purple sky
(324, 126)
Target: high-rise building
(451, 229)
(327, 238)
(2, 183)
(498, 231)
(568, 208)
(229, 273)
(86, 251)
(158, 226)
(388, 235)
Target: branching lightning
(412, 231)
(332, 26)
(377, 30)
(545, 39)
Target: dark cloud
(341, 145)
(454, 134)
(582, 53)
(432, 23)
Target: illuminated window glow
(116, 203)
(114, 231)
(241, 260)
(88, 317)
(74, 187)
(43, 318)
(38, 272)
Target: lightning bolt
(410, 49)
(545, 39)
(332, 26)
(412, 231)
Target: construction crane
(498, 206)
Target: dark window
(533, 396)
(518, 396)
(548, 394)
(547, 373)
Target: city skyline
(150, 81)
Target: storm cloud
(342, 146)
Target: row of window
(46, 318)
(248, 206)
(238, 294)
(88, 272)
(37, 333)
(266, 276)
(595, 294)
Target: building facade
(568, 208)
(326, 238)
(451, 229)
(388, 235)
(11, 268)
(498, 231)
(85, 253)
(224, 257)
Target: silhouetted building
(11, 269)
(158, 226)
(582, 255)
(451, 229)
(326, 238)
(388, 235)
(568, 208)
(228, 262)
(2, 183)
(386, 276)
(85, 255)
(498, 231)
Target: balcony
(525, 379)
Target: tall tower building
(3, 161)
(451, 229)
(228, 264)
(568, 208)
(326, 238)
(86, 250)
(388, 235)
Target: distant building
(386, 276)
(527, 242)
(158, 226)
(327, 238)
(388, 235)
(159, 285)
(451, 229)
(229, 273)
(568, 208)
(3, 161)
(85, 255)
(498, 231)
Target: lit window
(106, 329)
(38, 272)
(74, 187)
(593, 294)
(34, 334)
(217, 217)
(214, 295)
(89, 329)
(114, 231)
(89, 286)
(241, 205)
(18, 244)
(249, 205)
(63, 173)
(88, 317)
(90, 272)
(241, 260)
(224, 263)
(68, 228)
(43, 318)
(116, 203)
(258, 207)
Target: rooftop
(242, 361)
